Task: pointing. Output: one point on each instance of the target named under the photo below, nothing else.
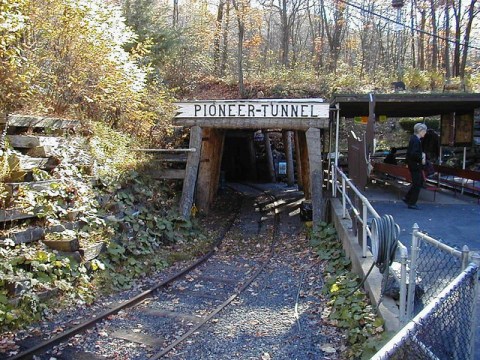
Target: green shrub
(347, 306)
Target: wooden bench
(392, 174)
(458, 179)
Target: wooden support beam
(305, 165)
(209, 171)
(165, 157)
(314, 144)
(168, 174)
(299, 161)
(14, 214)
(287, 145)
(268, 152)
(254, 123)
(32, 141)
(193, 162)
(25, 236)
(40, 122)
(252, 159)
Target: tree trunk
(285, 34)
(240, 11)
(223, 64)
(456, 52)
(216, 40)
(433, 15)
(448, 73)
(471, 15)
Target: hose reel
(384, 241)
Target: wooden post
(299, 162)
(209, 169)
(189, 183)
(268, 151)
(305, 166)
(287, 145)
(314, 143)
(253, 159)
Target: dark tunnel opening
(245, 157)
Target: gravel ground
(279, 316)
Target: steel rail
(237, 293)
(48, 344)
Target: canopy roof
(406, 104)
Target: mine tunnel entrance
(237, 157)
(245, 157)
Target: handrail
(345, 198)
(367, 207)
(167, 150)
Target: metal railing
(441, 330)
(362, 215)
(442, 290)
(433, 265)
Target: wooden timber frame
(209, 120)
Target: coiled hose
(384, 244)
(384, 241)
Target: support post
(253, 159)
(298, 158)
(287, 144)
(412, 276)
(314, 143)
(209, 168)
(304, 164)
(268, 152)
(189, 183)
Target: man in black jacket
(415, 161)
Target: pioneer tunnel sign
(262, 108)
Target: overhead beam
(254, 123)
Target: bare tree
(335, 30)
(241, 8)
(472, 11)
(217, 38)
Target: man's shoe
(414, 207)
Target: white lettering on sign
(315, 108)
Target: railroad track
(162, 317)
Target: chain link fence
(443, 329)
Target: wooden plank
(190, 182)
(187, 150)
(287, 141)
(31, 141)
(298, 158)
(92, 252)
(69, 245)
(177, 158)
(41, 151)
(268, 152)
(168, 174)
(314, 144)
(14, 214)
(252, 123)
(305, 165)
(40, 122)
(25, 236)
(209, 171)
(26, 163)
(174, 315)
(138, 337)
